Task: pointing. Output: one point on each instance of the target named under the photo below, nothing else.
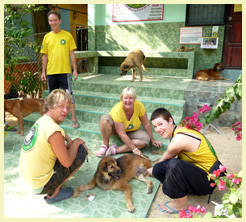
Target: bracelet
(134, 149)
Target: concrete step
(87, 130)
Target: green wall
(148, 35)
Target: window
(205, 14)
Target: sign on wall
(137, 12)
(190, 35)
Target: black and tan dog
(135, 59)
(114, 174)
(210, 74)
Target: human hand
(157, 143)
(43, 76)
(137, 151)
(75, 75)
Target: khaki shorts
(138, 134)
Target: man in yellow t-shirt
(57, 48)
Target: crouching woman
(49, 157)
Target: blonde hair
(55, 97)
(129, 91)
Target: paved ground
(229, 152)
(227, 149)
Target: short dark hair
(161, 112)
(55, 13)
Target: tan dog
(183, 48)
(210, 74)
(114, 174)
(23, 107)
(135, 59)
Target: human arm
(44, 66)
(74, 64)
(64, 155)
(120, 129)
(146, 124)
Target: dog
(114, 174)
(210, 74)
(135, 59)
(183, 48)
(23, 107)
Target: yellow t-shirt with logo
(204, 157)
(118, 115)
(58, 46)
(37, 158)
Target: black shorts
(60, 81)
(180, 178)
(61, 173)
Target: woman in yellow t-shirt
(187, 174)
(125, 119)
(49, 156)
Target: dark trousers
(61, 173)
(180, 178)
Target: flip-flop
(63, 194)
(102, 150)
(171, 210)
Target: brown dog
(114, 174)
(210, 74)
(135, 59)
(23, 107)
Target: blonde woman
(49, 156)
(125, 119)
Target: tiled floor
(19, 202)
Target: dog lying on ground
(135, 59)
(210, 74)
(23, 107)
(114, 174)
(183, 48)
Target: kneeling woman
(188, 173)
(49, 156)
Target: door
(232, 56)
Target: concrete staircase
(95, 94)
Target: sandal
(76, 124)
(102, 150)
(62, 195)
(111, 150)
(170, 209)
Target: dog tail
(144, 68)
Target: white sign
(209, 43)
(190, 35)
(137, 12)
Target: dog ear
(105, 167)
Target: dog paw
(76, 192)
(131, 208)
(149, 189)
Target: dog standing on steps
(135, 59)
(23, 107)
(114, 174)
(210, 74)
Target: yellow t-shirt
(204, 157)
(118, 115)
(37, 158)
(58, 46)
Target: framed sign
(190, 35)
(209, 43)
(137, 12)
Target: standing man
(57, 47)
